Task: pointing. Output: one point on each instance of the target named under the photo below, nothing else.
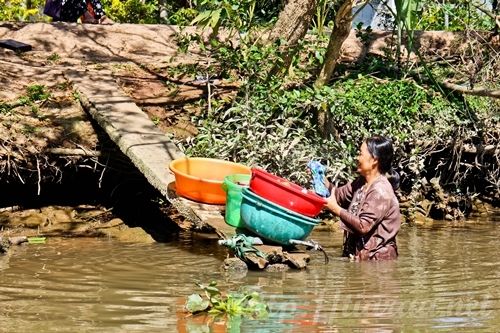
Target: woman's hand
(328, 185)
(332, 204)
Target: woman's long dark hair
(381, 148)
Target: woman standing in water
(368, 207)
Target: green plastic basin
(233, 185)
(273, 222)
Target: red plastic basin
(285, 193)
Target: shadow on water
(122, 189)
(446, 279)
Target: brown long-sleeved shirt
(370, 218)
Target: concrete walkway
(149, 149)
(128, 126)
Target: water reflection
(446, 278)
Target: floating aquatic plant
(241, 303)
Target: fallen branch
(474, 91)
(74, 152)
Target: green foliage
(17, 10)
(363, 106)
(76, 95)
(132, 11)
(453, 16)
(364, 35)
(183, 16)
(184, 40)
(237, 14)
(246, 61)
(405, 13)
(37, 92)
(54, 57)
(269, 127)
(29, 130)
(324, 12)
(242, 303)
(275, 127)
(5, 107)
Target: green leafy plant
(324, 13)
(241, 303)
(237, 14)
(132, 11)
(364, 35)
(37, 92)
(5, 107)
(458, 15)
(76, 95)
(156, 120)
(29, 129)
(54, 57)
(183, 16)
(34, 93)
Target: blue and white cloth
(318, 175)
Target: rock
(298, 260)
(4, 245)
(118, 230)
(18, 240)
(234, 265)
(255, 260)
(277, 268)
(274, 253)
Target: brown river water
(447, 279)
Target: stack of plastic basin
(234, 185)
(277, 209)
(274, 222)
(285, 193)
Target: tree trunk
(340, 32)
(293, 22)
(496, 11)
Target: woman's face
(366, 162)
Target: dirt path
(40, 131)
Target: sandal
(106, 20)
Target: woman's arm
(344, 194)
(371, 212)
(340, 197)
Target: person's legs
(89, 15)
(72, 10)
(96, 12)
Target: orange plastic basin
(200, 179)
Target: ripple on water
(446, 278)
